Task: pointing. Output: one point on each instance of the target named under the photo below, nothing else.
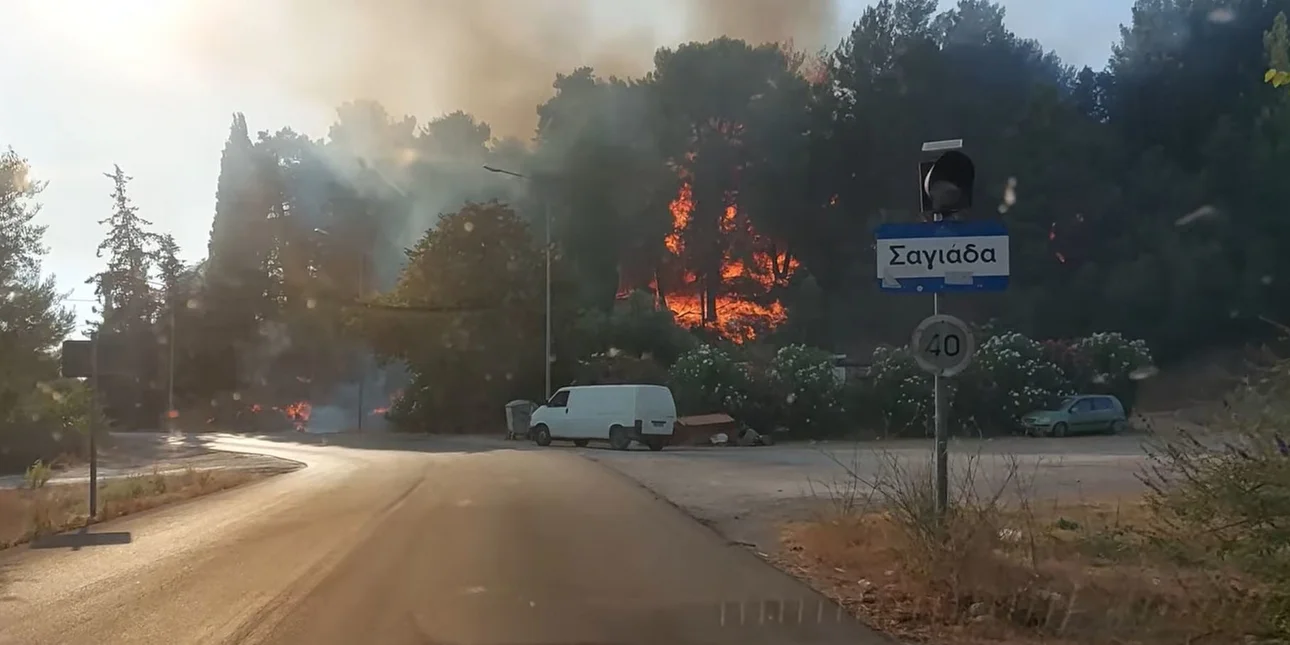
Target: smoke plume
(493, 58)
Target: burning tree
(719, 270)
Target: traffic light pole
(940, 426)
(945, 188)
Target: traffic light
(945, 183)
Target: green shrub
(1109, 363)
(49, 421)
(613, 367)
(635, 327)
(806, 390)
(1011, 375)
(1221, 497)
(903, 392)
(708, 379)
(37, 475)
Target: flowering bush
(1010, 375)
(1013, 375)
(901, 390)
(809, 393)
(1112, 364)
(709, 379)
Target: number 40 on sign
(943, 345)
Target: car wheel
(1119, 427)
(1059, 429)
(619, 439)
(581, 443)
(542, 436)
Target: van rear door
(656, 409)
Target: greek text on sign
(943, 256)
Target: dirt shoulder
(147, 454)
(136, 474)
(748, 494)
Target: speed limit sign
(943, 345)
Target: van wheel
(619, 439)
(655, 443)
(542, 436)
(581, 443)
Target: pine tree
(170, 269)
(232, 249)
(128, 301)
(32, 322)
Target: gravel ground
(745, 493)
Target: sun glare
(139, 34)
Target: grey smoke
(493, 58)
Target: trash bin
(518, 414)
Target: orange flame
(737, 316)
(394, 397)
(298, 413)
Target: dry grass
(30, 513)
(1003, 569)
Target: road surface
(442, 543)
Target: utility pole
(546, 345)
(362, 376)
(362, 373)
(170, 385)
(94, 409)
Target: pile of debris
(716, 430)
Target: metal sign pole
(941, 429)
(93, 427)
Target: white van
(619, 414)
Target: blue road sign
(931, 257)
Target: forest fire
(741, 303)
(394, 397)
(298, 413)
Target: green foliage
(1109, 363)
(612, 368)
(899, 391)
(708, 379)
(1221, 495)
(466, 317)
(634, 327)
(802, 379)
(50, 420)
(37, 475)
(1010, 375)
(39, 416)
(1133, 203)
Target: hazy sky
(152, 84)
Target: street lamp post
(547, 217)
(170, 380)
(362, 377)
(170, 363)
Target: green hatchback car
(1085, 414)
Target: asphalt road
(441, 543)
